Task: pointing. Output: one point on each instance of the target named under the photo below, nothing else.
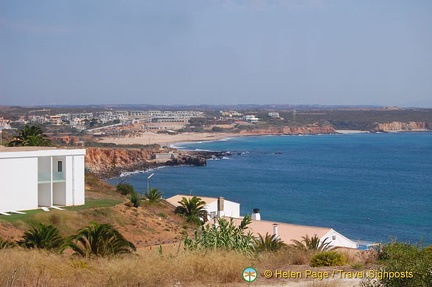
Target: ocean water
(370, 187)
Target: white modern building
(34, 177)
(216, 207)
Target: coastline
(169, 140)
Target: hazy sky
(216, 52)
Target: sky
(191, 52)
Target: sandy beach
(171, 139)
(167, 139)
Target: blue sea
(371, 187)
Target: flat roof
(287, 232)
(25, 148)
(176, 198)
(35, 151)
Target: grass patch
(93, 203)
(90, 203)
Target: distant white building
(33, 177)
(250, 118)
(215, 206)
(274, 115)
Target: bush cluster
(125, 188)
(397, 257)
(135, 199)
(328, 258)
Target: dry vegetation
(160, 259)
(148, 267)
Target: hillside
(144, 226)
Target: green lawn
(90, 203)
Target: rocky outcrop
(401, 127)
(188, 160)
(109, 162)
(306, 130)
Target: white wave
(224, 139)
(127, 173)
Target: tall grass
(40, 268)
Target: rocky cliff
(110, 162)
(401, 127)
(306, 130)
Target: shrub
(224, 235)
(135, 199)
(328, 258)
(412, 260)
(125, 188)
(428, 249)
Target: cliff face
(401, 127)
(313, 130)
(104, 160)
(107, 162)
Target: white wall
(338, 240)
(211, 207)
(232, 209)
(68, 169)
(18, 184)
(78, 192)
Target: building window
(334, 237)
(60, 166)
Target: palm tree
(311, 244)
(268, 243)
(30, 136)
(6, 244)
(100, 240)
(153, 195)
(43, 236)
(192, 209)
